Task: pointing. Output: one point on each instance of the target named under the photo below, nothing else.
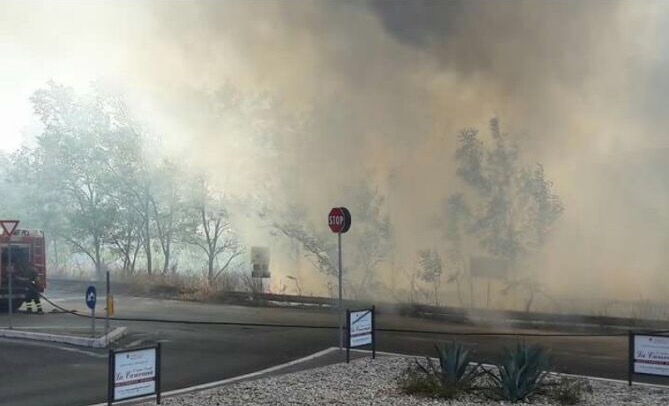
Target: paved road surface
(47, 374)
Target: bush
(521, 373)
(453, 375)
(414, 381)
(569, 391)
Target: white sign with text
(134, 373)
(651, 355)
(361, 328)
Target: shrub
(569, 391)
(520, 374)
(414, 381)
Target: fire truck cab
(21, 254)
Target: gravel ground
(373, 382)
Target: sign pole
(110, 378)
(107, 310)
(373, 332)
(9, 226)
(339, 221)
(10, 274)
(158, 372)
(341, 305)
(348, 336)
(91, 299)
(630, 357)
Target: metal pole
(471, 284)
(93, 322)
(630, 357)
(10, 274)
(158, 372)
(107, 307)
(111, 373)
(341, 305)
(373, 332)
(348, 336)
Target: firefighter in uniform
(30, 277)
(33, 294)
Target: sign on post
(339, 221)
(648, 355)
(360, 327)
(91, 299)
(133, 373)
(8, 228)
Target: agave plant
(521, 373)
(454, 361)
(454, 372)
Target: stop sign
(339, 220)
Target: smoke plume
(299, 101)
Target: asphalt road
(33, 373)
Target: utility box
(260, 262)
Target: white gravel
(373, 382)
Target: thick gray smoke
(300, 100)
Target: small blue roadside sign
(91, 297)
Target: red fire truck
(27, 250)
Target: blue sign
(91, 297)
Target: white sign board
(360, 328)
(651, 355)
(134, 373)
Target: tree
(457, 214)
(371, 238)
(129, 171)
(126, 239)
(70, 158)
(209, 229)
(319, 250)
(508, 209)
(367, 244)
(431, 270)
(167, 203)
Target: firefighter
(33, 294)
(30, 277)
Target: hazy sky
(581, 84)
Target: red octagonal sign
(339, 220)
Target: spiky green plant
(454, 363)
(453, 373)
(521, 373)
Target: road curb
(100, 342)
